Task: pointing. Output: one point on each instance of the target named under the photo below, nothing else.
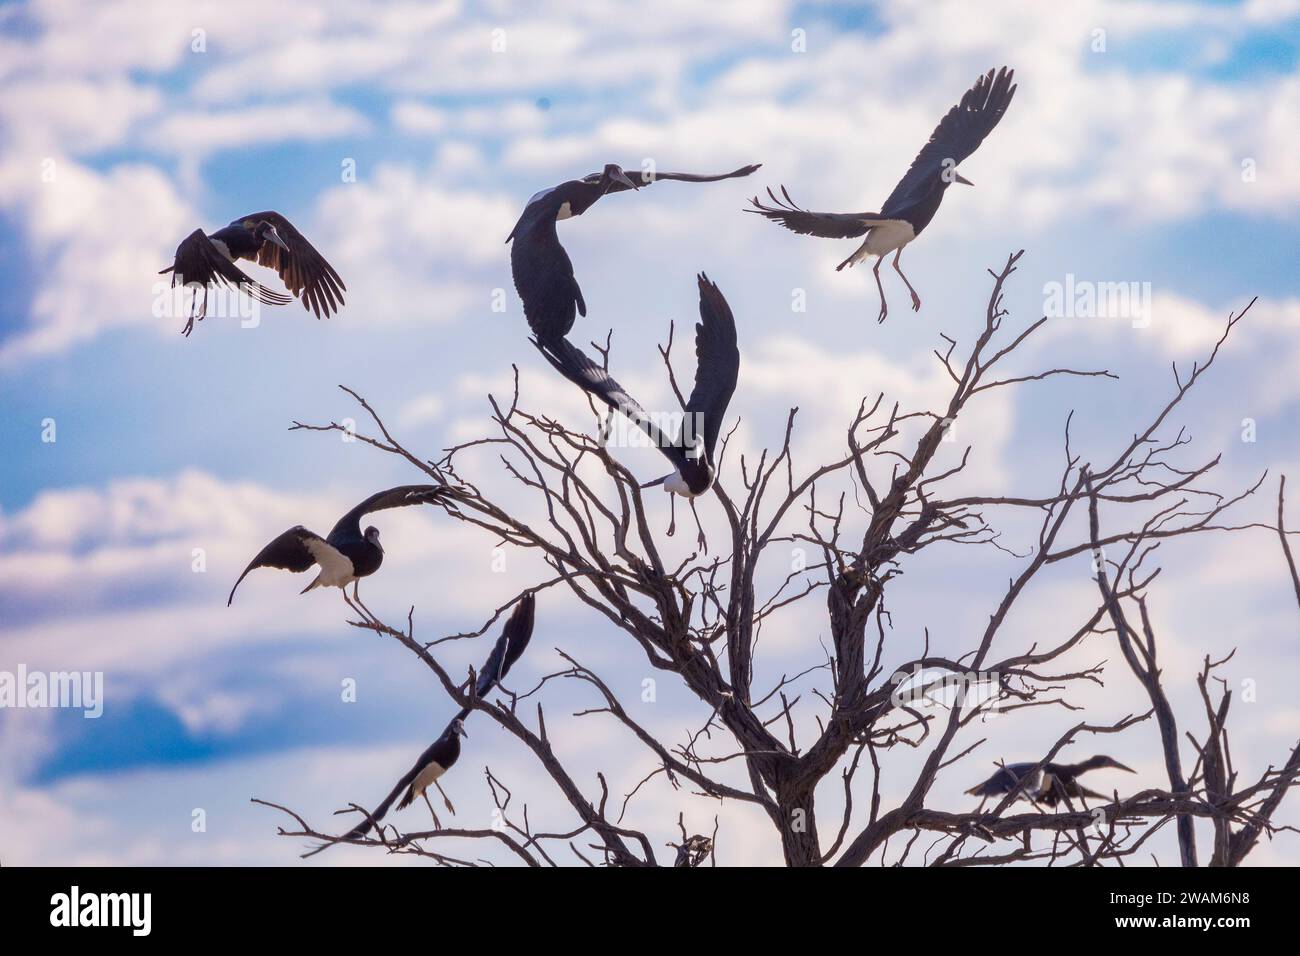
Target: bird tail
(407, 798)
(314, 584)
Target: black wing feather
(197, 260)
(401, 496)
(717, 362)
(958, 135)
(303, 270)
(575, 365)
(509, 647)
(288, 551)
(828, 225)
(543, 274)
(649, 179)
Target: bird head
(265, 231)
(458, 728)
(614, 174)
(372, 535)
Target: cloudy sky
(1149, 142)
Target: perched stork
(443, 752)
(691, 448)
(916, 198)
(345, 555)
(1049, 784)
(541, 268)
(268, 239)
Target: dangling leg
(436, 822)
(916, 299)
(884, 306)
(701, 542)
(672, 512)
(444, 797)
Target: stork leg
(916, 299)
(884, 306)
(672, 514)
(356, 596)
(436, 822)
(444, 797)
(701, 542)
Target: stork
(916, 198)
(346, 554)
(691, 448)
(542, 270)
(1049, 784)
(268, 239)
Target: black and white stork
(346, 554)
(691, 448)
(439, 756)
(1049, 784)
(916, 198)
(542, 270)
(268, 239)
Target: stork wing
(296, 550)
(401, 496)
(717, 364)
(649, 178)
(543, 275)
(303, 270)
(958, 135)
(198, 261)
(828, 225)
(575, 365)
(508, 648)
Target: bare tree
(780, 746)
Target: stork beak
(657, 481)
(275, 237)
(463, 732)
(958, 177)
(621, 177)
(1120, 766)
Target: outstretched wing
(543, 274)
(717, 364)
(575, 365)
(958, 135)
(296, 550)
(197, 260)
(828, 225)
(646, 178)
(303, 270)
(401, 496)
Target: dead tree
(782, 745)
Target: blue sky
(1119, 163)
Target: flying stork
(542, 270)
(916, 198)
(1050, 784)
(345, 555)
(268, 239)
(691, 449)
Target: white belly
(676, 484)
(425, 778)
(336, 570)
(566, 211)
(890, 236)
(223, 249)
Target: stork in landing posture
(346, 555)
(268, 239)
(542, 270)
(691, 449)
(916, 198)
(1050, 784)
